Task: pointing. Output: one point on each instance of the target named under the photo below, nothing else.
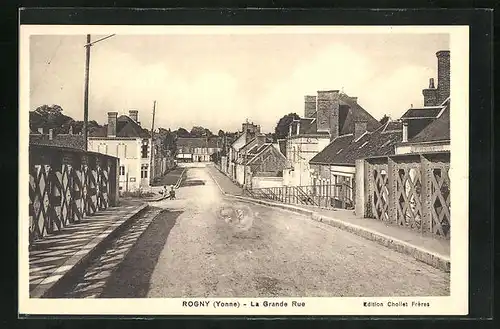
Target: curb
(78, 260)
(435, 260)
(180, 179)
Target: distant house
(427, 129)
(248, 132)
(328, 116)
(39, 137)
(260, 164)
(124, 138)
(197, 149)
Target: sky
(218, 81)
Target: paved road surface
(190, 251)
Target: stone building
(123, 137)
(329, 117)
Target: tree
(169, 141)
(50, 117)
(281, 130)
(221, 133)
(384, 119)
(181, 132)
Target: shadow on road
(131, 279)
(193, 182)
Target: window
(144, 149)
(144, 171)
(122, 170)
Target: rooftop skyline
(218, 81)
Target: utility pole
(86, 93)
(152, 143)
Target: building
(427, 129)
(247, 133)
(335, 166)
(329, 116)
(50, 138)
(123, 137)
(197, 149)
(260, 164)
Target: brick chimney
(443, 87)
(430, 94)
(309, 106)
(134, 115)
(359, 128)
(112, 117)
(328, 112)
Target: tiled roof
(125, 127)
(356, 113)
(438, 130)
(344, 150)
(199, 142)
(422, 113)
(61, 140)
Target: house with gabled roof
(123, 137)
(260, 164)
(427, 128)
(197, 149)
(248, 132)
(328, 116)
(335, 166)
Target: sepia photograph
(243, 170)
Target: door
(144, 175)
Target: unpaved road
(191, 251)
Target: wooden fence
(67, 184)
(409, 190)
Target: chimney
(112, 116)
(359, 129)
(309, 106)
(443, 87)
(51, 134)
(40, 130)
(405, 131)
(134, 115)
(328, 112)
(430, 94)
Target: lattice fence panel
(40, 200)
(380, 193)
(440, 199)
(409, 195)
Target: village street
(190, 251)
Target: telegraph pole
(152, 142)
(86, 93)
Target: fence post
(392, 189)
(55, 178)
(369, 205)
(425, 195)
(359, 175)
